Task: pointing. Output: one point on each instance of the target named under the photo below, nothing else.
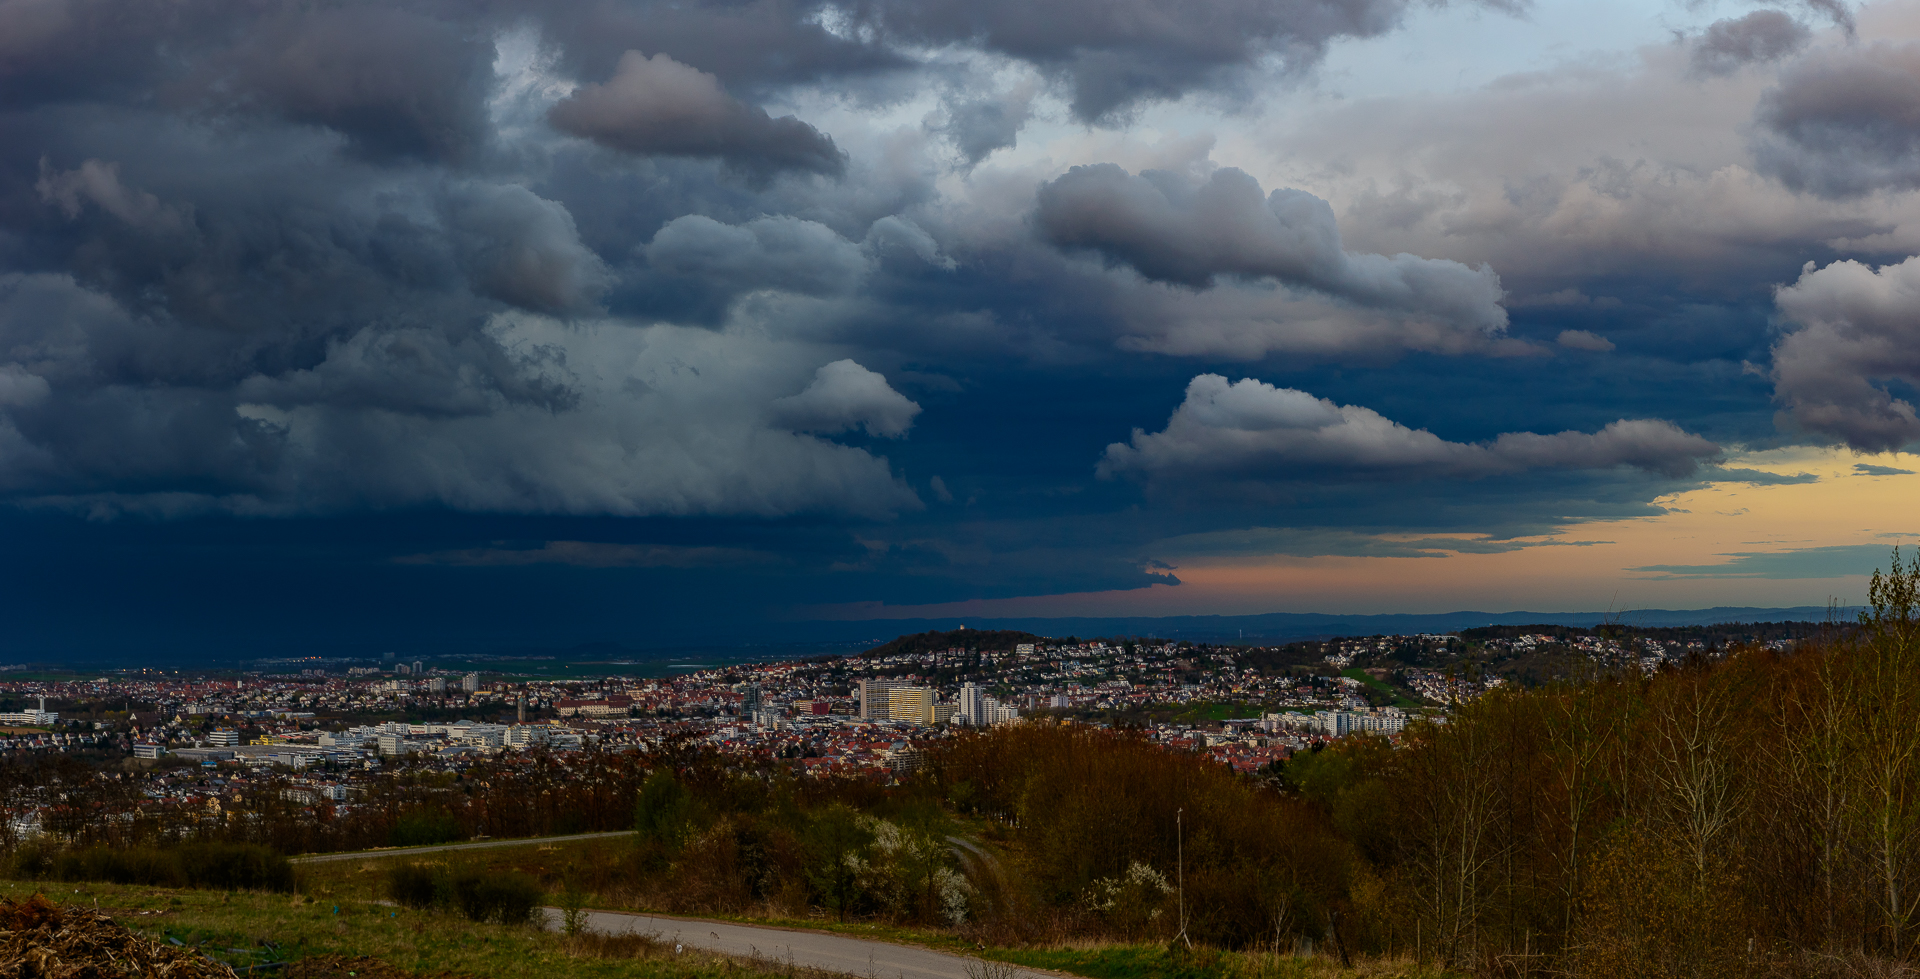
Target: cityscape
(318, 735)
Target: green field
(243, 929)
(1400, 699)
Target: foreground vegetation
(251, 928)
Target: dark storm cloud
(749, 44)
(54, 50)
(240, 317)
(1171, 228)
(396, 83)
(521, 249)
(1845, 122)
(369, 269)
(1115, 55)
(658, 106)
(1731, 44)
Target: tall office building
(749, 698)
(874, 698)
(913, 705)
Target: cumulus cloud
(978, 125)
(658, 106)
(1250, 321)
(522, 249)
(1250, 430)
(785, 253)
(1173, 229)
(1852, 329)
(1728, 45)
(1113, 56)
(397, 83)
(843, 396)
(1845, 122)
(1635, 182)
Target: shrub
(412, 885)
(506, 898)
(234, 867)
(424, 827)
(209, 866)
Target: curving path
(442, 848)
(861, 957)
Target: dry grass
(245, 929)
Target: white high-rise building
(471, 683)
(972, 709)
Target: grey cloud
(18, 386)
(1844, 122)
(1253, 430)
(98, 183)
(395, 82)
(1369, 542)
(422, 372)
(1757, 477)
(766, 253)
(1634, 183)
(750, 44)
(55, 50)
(1868, 469)
(1115, 55)
(843, 396)
(980, 125)
(658, 106)
(1173, 229)
(1807, 562)
(1728, 45)
(657, 427)
(1583, 340)
(521, 249)
(1852, 328)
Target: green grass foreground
(243, 929)
(361, 881)
(1097, 961)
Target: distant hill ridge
(1289, 626)
(983, 640)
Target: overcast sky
(423, 323)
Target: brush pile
(40, 940)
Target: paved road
(482, 845)
(860, 957)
